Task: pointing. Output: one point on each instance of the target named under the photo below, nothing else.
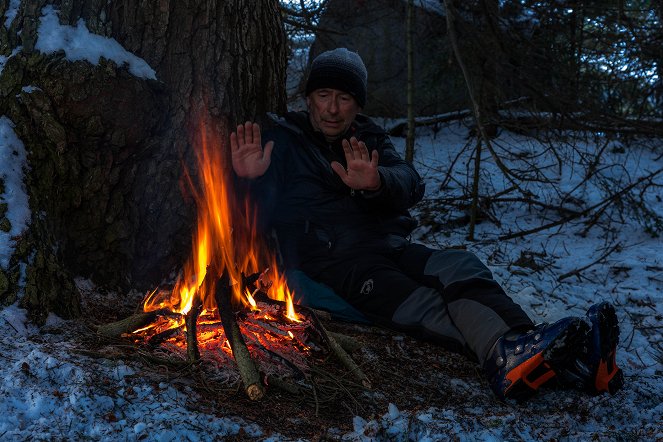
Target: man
(331, 186)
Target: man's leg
(476, 303)
(447, 296)
(518, 357)
(378, 288)
(451, 295)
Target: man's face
(331, 111)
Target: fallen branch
(129, 324)
(140, 356)
(348, 343)
(577, 272)
(191, 321)
(399, 128)
(340, 353)
(278, 357)
(282, 384)
(247, 368)
(587, 211)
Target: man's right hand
(249, 159)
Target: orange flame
(225, 239)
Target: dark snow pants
(449, 296)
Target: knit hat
(339, 69)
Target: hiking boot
(596, 371)
(518, 366)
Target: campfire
(230, 302)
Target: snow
(46, 395)
(80, 44)
(436, 6)
(4, 58)
(10, 14)
(30, 89)
(50, 391)
(12, 163)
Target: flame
(252, 301)
(224, 240)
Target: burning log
(162, 336)
(130, 324)
(279, 358)
(191, 320)
(247, 368)
(273, 330)
(337, 347)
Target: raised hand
(362, 172)
(248, 158)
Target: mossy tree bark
(107, 150)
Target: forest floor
(62, 382)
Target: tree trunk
(409, 139)
(489, 64)
(658, 88)
(107, 150)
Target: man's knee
(451, 266)
(425, 313)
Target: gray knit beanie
(339, 69)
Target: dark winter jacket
(316, 217)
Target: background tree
(107, 149)
(537, 68)
(409, 139)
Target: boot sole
(544, 366)
(607, 377)
(563, 352)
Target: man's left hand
(362, 172)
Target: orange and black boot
(517, 366)
(596, 371)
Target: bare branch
(601, 205)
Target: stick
(610, 199)
(191, 321)
(130, 324)
(348, 343)
(282, 359)
(157, 339)
(340, 353)
(247, 369)
(476, 108)
(282, 384)
(577, 272)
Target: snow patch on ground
(48, 390)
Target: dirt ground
(409, 372)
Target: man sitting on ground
(330, 184)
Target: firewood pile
(265, 346)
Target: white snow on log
(30, 89)
(4, 58)
(431, 6)
(79, 43)
(12, 10)
(12, 163)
